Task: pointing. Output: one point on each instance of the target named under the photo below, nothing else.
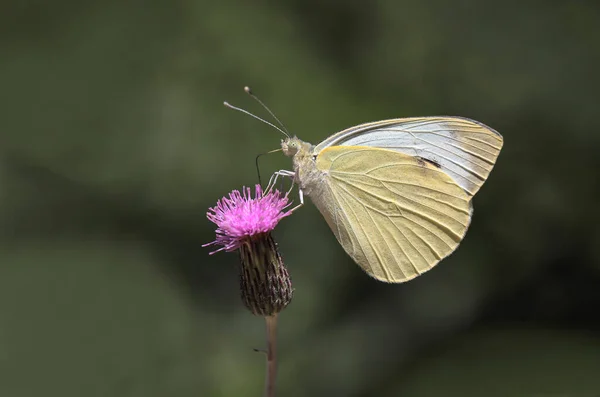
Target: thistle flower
(244, 223)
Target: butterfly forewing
(396, 215)
(464, 149)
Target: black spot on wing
(422, 161)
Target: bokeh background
(114, 141)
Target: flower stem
(271, 322)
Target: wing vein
(388, 246)
(384, 270)
(436, 254)
(415, 211)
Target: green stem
(271, 322)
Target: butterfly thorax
(304, 161)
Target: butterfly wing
(464, 149)
(396, 215)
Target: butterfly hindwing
(396, 215)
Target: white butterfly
(396, 193)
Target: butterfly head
(292, 146)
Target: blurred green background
(114, 141)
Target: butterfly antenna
(256, 117)
(249, 92)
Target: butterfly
(397, 194)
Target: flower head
(240, 216)
(245, 223)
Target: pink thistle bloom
(240, 216)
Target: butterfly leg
(275, 177)
(289, 174)
(301, 197)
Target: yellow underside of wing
(396, 215)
